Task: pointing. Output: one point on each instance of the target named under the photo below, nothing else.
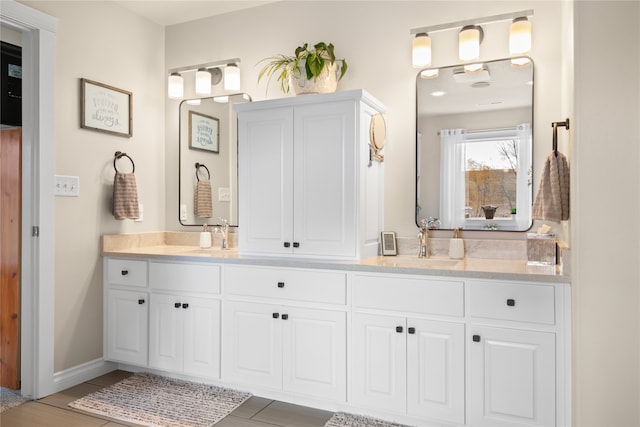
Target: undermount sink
(407, 260)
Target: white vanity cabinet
(281, 333)
(126, 311)
(184, 318)
(308, 185)
(409, 365)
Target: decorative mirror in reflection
(208, 159)
(474, 146)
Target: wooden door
(10, 214)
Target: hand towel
(552, 199)
(203, 205)
(125, 196)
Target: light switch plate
(66, 186)
(224, 194)
(183, 212)
(141, 212)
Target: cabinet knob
(185, 305)
(285, 316)
(275, 315)
(296, 244)
(281, 284)
(511, 302)
(177, 305)
(141, 301)
(411, 330)
(399, 329)
(124, 272)
(476, 338)
(287, 244)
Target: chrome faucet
(423, 236)
(224, 231)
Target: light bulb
(421, 50)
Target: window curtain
(452, 178)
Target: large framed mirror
(208, 160)
(474, 145)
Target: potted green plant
(310, 70)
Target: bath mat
(157, 401)
(341, 419)
(10, 398)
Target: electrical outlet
(183, 212)
(66, 186)
(224, 194)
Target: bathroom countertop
(154, 247)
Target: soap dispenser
(456, 245)
(205, 237)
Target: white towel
(552, 200)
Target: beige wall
(606, 276)
(100, 41)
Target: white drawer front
(409, 295)
(184, 277)
(513, 301)
(126, 272)
(281, 283)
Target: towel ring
(200, 165)
(120, 155)
(555, 126)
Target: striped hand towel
(552, 199)
(203, 204)
(125, 196)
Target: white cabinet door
(435, 368)
(166, 332)
(324, 170)
(252, 344)
(265, 176)
(314, 352)
(202, 337)
(512, 377)
(127, 326)
(379, 369)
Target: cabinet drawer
(184, 277)
(281, 283)
(409, 295)
(513, 301)
(126, 272)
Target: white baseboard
(78, 374)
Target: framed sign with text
(106, 108)
(204, 132)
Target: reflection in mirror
(474, 146)
(208, 173)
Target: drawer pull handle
(177, 305)
(511, 302)
(185, 305)
(124, 272)
(281, 284)
(296, 244)
(285, 316)
(476, 338)
(399, 329)
(411, 330)
(287, 244)
(275, 315)
(140, 301)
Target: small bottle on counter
(456, 245)
(205, 237)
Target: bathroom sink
(414, 261)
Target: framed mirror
(474, 145)
(208, 160)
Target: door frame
(37, 265)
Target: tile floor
(52, 411)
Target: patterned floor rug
(341, 419)
(10, 398)
(157, 401)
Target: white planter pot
(326, 82)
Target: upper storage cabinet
(308, 185)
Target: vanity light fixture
(469, 40)
(231, 77)
(520, 36)
(421, 50)
(203, 82)
(176, 86)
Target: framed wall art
(106, 108)
(204, 132)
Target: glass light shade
(520, 36)
(203, 82)
(176, 88)
(231, 77)
(429, 73)
(194, 101)
(469, 43)
(472, 68)
(421, 50)
(520, 62)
